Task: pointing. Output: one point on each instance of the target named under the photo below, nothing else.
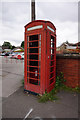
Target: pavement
(17, 104)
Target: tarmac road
(12, 74)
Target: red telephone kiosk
(40, 56)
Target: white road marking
(28, 113)
(13, 92)
(37, 118)
(54, 117)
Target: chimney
(32, 10)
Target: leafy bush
(59, 81)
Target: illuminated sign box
(35, 27)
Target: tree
(22, 44)
(6, 45)
(13, 47)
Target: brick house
(67, 47)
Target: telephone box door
(33, 62)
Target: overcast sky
(15, 15)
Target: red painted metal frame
(45, 61)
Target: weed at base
(68, 89)
(47, 97)
(59, 85)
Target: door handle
(48, 57)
